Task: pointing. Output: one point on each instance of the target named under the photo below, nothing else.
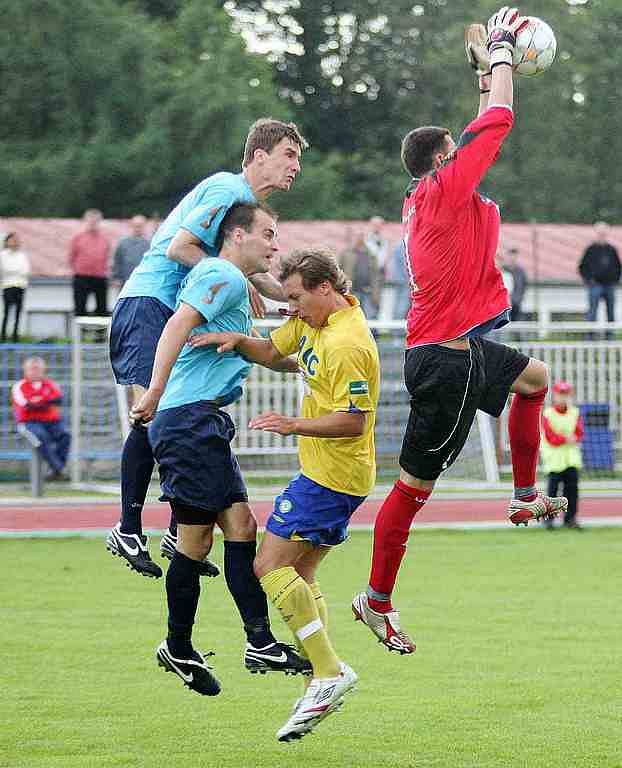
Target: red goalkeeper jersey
(451, 234)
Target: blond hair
(315, 265)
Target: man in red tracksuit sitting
(35, 405)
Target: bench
(31, 453)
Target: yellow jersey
(558, 458)
(341, 371)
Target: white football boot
(386, 626)
(323, 697)
(541, 508)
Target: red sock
(390, 536)
(524, 429)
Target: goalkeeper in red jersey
(451, 370)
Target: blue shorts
(311, 512)
(136, 326)
(198, 469)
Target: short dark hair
(315, 266)
(240, 215)
(420, 146)
(266, 133)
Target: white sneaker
(322, 697)
(541, 508)
(386, 626)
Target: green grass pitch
(518, 661)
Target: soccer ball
(535, 48)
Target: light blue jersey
(201, 212)
(218, 290)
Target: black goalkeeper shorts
(447, 386)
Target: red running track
(83, 517)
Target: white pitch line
(90, 533)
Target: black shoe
(574, 525)
(57, 476)
(276, 657)
(133, 548)
(194, 672)
(168, 542)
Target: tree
(354, 71)
(122, 112)
(212, 91)
(163, 9)
(359, 74)
(76, 83)
(147, 96)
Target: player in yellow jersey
(338, 359)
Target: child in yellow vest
(561, 455)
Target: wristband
(501, 55)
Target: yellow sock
(322, 610)
(320, 602)
(292, 596)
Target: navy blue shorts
(198, 469)
(136, 326)
(308, 511)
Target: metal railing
(581, 353)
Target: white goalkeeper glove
(503, 27)
(475, 48)
(477, 54)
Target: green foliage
(336, 185)
(516, 662)
(125, 104)
(122, 112)
(318, 191)
(166, 9)
(370, 72)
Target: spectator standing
(600, 269)
(35, 405)
(506, 273)
(399, 277)
(89, 256)
(361, 265)
(130, 251)
(154, 223)
(14, 273)
(519, 284)
(377, 243)
(561, 455)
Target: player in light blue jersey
(191, 435)
(199, 213)
(190, 232)
(211, 288)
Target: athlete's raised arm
(503, 27)
(475, 36)
(462, 171)
(185, 248)
(253, 348)
(268, 286)
(337, 424)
